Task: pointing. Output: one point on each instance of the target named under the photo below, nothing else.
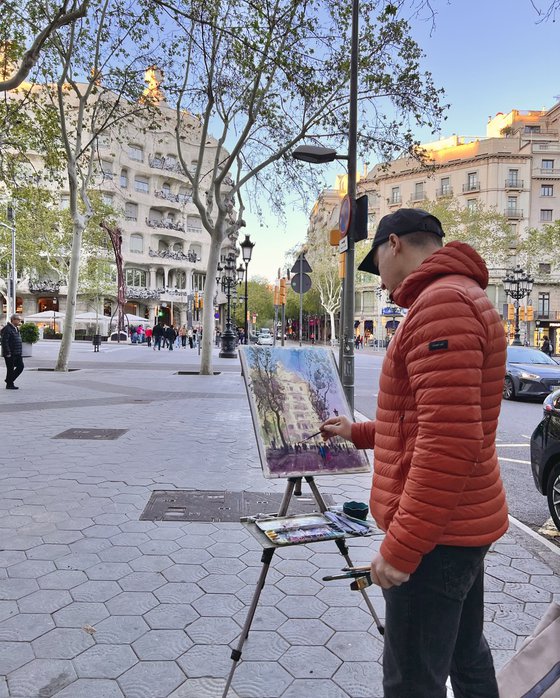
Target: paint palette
(295, 530)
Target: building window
(178, 247)
(131, 211)
(163, 246)
(547, 190)
(136, 243)
(544, 268)
(197, 250)
(472, 181)
(369, 301)
(512, 204)
(64, 202)
(185, 196)
(513, 178)
(445, 186)
(547, 164)
(135, 277)
(471, 205)
(107, 169)
(194, 224)
(546, 214)
(532, 129)
(395, 195)
(544, 304)
(136, 152)
(180, 279)
(166, 188)
(142, 184)
(419, 191)
(107, 199)
(198, 280)
(124, 178)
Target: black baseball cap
(402, 222)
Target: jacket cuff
(363, 434)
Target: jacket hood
(454, 258)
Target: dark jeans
(434, 629)
(14, 366)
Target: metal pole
(300, 294)
(283, 330)
(347, 367)
(246, 304)
(516, 334)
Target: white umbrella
(136, 319)
(91, 317)
(45, 316)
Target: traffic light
(342, 265)
(196, 300)
(276, 295)
(360, 231)
(334, 237)
(201, 302)
(522, 313)
(529, 313)
(282, 291)
(511, 311)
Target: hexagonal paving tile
(171, 616)
(132, 603)
(217, 605)
(162, 644)
(109, 571)
(13, 655)
(62, 579)
(226, 550)
(515, 620)
(45, 601)
(299, 586)
(159, 547)
(223, 565)
(203, 688)
(507, 574)
(258, 679)
(207, 661)
(121, 630)
(356, 646)
(14, 589)
(314, 688)
(305, 632)
(95, 591)
(78, 614)
(184, 573)
(221, 584)
(299, 568)
(77, 561)
(8, 609)
(195, 556)
(151, 563)
(119, 553)
(527, 592)
(178, 592)
(92, 688)
(308, 662)
(31, 679)
(264, 645)
(142, 581)
(105, 661)
(48, 551)
(266, 618)
(142, 678)
(210, 631)
(25, 626)
(62, 643)
(31, 569)
(310, 607)
(360, 679)
(347, 619)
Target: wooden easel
(293, 488)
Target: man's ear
(395, 243)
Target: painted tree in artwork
(318, 372)
(269, 393)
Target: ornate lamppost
(227, 277)
(517, 284)
(246, 251)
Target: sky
(490, 56)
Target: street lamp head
(247, 249)
(315, 154)
(240, 273)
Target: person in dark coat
(170, 335)
(157, 334)
(12, 351)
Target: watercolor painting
(291, 393)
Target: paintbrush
(309, 437)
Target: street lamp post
(12, 297)
(227, 276)
(316, 154)
(517, 285)
(246, 251)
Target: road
(517, 421)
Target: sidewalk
(95, 603)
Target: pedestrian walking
(170, 337)
(546, 346)
(12, 351)
(157, 334)
(148, 335)
(190, 337)
(183, 335)
(437, 492)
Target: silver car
(265, 339)
(529, 373)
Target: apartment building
(514, 170)
(164, 246)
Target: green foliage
(29, 333)
(540, 245)
(261, 303)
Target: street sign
(345, 215)
(305, 268)
(301, 283)
(343, 244)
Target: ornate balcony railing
(44, 286)
(514, 183)
(513, 212)
(471, 186)
(143, 293)
(444, 191)
(165, 223)
(162, 163)
(177, 255)
(174, 198)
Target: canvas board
(292, 391)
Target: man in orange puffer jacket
(437, 491)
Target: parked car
(253, 336)
(545, 455)
(265, 339)
(529, 373)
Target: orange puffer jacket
(436, 475)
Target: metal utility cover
(220, 505)
(91, 434)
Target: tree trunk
(208, 314)
(73, 278)
(333, 327)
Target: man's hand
(385, 575)
(337, 426)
